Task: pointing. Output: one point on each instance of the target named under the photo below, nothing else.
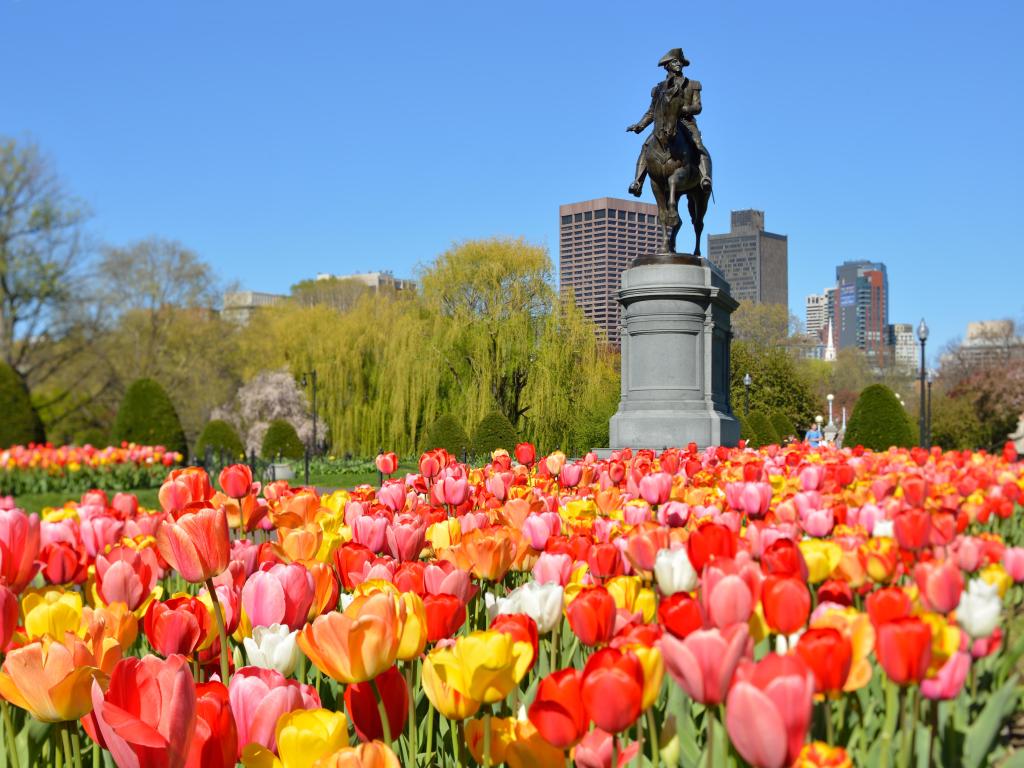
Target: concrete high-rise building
(904, 346)
(240, 306)
(597, 241)
(375, 281)
(817, 319)
(861, 314)
(755, 262)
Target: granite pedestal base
(675, 356)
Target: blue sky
(284, 139)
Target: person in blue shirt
(813, 436)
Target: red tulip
(64, 563)
(279, 594)
(786, 603)
(215, 744)
(704, 662)
(521, 627)
(591, 616)
(829, 655)
(769, 709)
(19, 548)
(259, 697)
(361, 701)
(783, 558)
(235, 480)
(190, 485)
(904, 649)
(605, 560)
(912, 529)
(526, 453)
(445, 615)
(887, 604)
(177, 626)
(387, 463)
(351, 559)
(8, 616)
(835, 591)
(710, 541)
(148, 714)
(681, 614)
(196, 544)
(612, 689)
(940, 585)
(557, 710)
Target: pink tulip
(949, 681)
(969, 553)
(451, 491)
(704, 662)
(811, 477)
(537, 531)
(755, 499)
(1013, 562)
(595, 751)
(100, 532)
(446, 579)
(126, 504)
(353, 511)
(19, 548)
(278, 594)
(472, 520)
(940, 585)
(673, 514)
(497, 487)
(768, 710)
(126, 575)
(570, 475)
(392, 495)
(729, 591)
(371, 532)
(817, 522)
(636, 513)
(259, 697)
(553, 568)
(656, 487)
(866, 516)
(60, 532)
(405, 539)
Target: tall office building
(904, 345)
(861, 316)
(817, 304)
(755, 262)
(597, 241)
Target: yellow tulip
(413, 616)
(445, 697)
(822, 557)
(51, 680)
(503, 733)
(994, 573)
(444, 534)
(484, 665)
(654, 672)
(757, 625)
(303, 737)
(51, 612)
(624, 590)
(945, 640)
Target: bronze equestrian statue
(674, 156)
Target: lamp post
(931, 378)
(922, 336)
(311, 379)
(747, 381)
(830, 397)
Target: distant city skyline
(268, 139)
(754, 261)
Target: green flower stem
(615, 750)
(892, 707)
(385, 724)
(413, 741)
(829, 734)
(487, 740)
(652, 729)
(221, 632)
(12, 749)
(711, 738)
(76, 744)
(554, 646)
(430, 734)
(639, 742)
(909, 726)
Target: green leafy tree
(339, 294)
(493, 431)
(148, 417)
(761, 428)
(783, 425)
(20, 423)
(878, 421)
(778, 386)
(282, 441)
(447, 433)
(221, 437)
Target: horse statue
(674, 155)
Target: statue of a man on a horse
(674, 155)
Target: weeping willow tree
(486, 331)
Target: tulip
(557, 710)
(887, 605)
(196, 544)
(445, 615)
(274, 647)
(19, 548)
(674, 572)
(412, 618)
(502, 735)
(8, 616)
(904, 649)
(541, 602)
(357, 645)
(768, 710)
(126, 575)
(729, 591)
(681, 614)
(371, 532)
(703, 663)
(940, 585)
(451, 491)
(387, 463)
(553, 568)
(180, 625)
(554, 463)
(51, 680)
(215, 743)
(278, 594)
(598, 748)
(526, 454)
(376, 754)
(484, 666)
(612, 689)
(258, 699)
(439, 687)
(521, 628)
(979, 608)
(51, 612)
(710, 541)
(656, 487)
(829, 655)
(305, 737)
(148, 714)
(786, 602)
(405, 540)
(1013, 562)
(236, 480)
(949, 681)
(591, 616)
(818, 754)
(361, 701)
(783, 558)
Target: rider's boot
(704, 166)
(637, 187)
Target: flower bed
(74, 469)
(720, 607)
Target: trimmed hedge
(20, 424)
(745, 433)
(761, 429)
(447, 433)
(147, 417)
(878, 421)
(222, 438)
(282, 440)
(783, 426)
(493, 431)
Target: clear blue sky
(284, 139)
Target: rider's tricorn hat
(677, 54)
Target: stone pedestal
(675, 356)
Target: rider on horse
(674, 85)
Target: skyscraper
(817, 304)
(861, 316)
(597, 241)
(755, 262)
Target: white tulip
(345, 599)
(541, 602)
(883, 529)
(979, 608)
(273, 647)
(674, 572)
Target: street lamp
(830, 397)
(922, 336)
(747, 381)
(931, 378)
(303, 382)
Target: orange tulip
(196, 544)
(357, 645)
(374, 754)
(51, 680)
(490, 553)
(299, 545)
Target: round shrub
(783, 426)
(745, 433)
(878, 421)
(493, 431)
(447, 433)
(20, 423)
(147, 417)
(220, 437)
(762, 431)
(282, 440)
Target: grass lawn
(35, 502)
